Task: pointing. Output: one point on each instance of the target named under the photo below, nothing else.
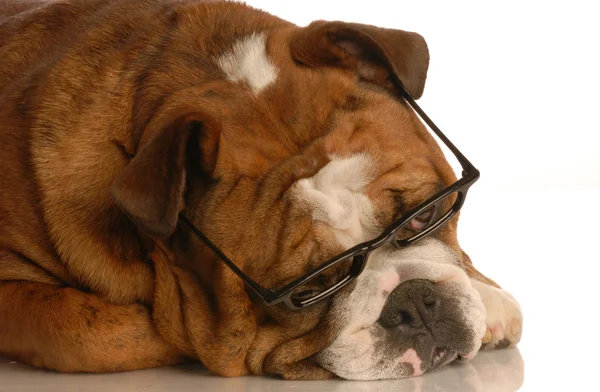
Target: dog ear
(374, 53)
(150, 189)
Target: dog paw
(504, 319)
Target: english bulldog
(191, 180)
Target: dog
(284, 146)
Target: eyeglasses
(413, 226)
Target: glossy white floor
(539, 245)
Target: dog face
(294, 148)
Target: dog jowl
(284, 145)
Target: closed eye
(400, 204)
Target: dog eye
(306, 294)
(422, 220)
(324, 281)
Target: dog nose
(413, 304)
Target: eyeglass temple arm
(263, 292)
(465, 163)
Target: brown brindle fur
(101, 101)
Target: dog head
(287, 146)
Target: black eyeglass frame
(360, 252)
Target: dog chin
(367, 347)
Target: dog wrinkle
(249, 62)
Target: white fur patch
(411, 357)
(248, 62)
(335, 196)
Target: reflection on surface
(497, 371)
(501, 371)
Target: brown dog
(285, 145)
